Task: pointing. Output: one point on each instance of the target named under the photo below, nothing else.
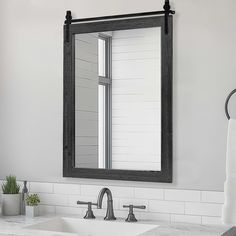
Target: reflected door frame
(106, 80)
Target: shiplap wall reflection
(136, 99)
(86, 102)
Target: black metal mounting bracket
(67, 23)
(167, 11)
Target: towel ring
(227, 102)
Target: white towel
(229, 207)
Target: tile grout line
(184, 208)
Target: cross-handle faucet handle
(89, 214)
(131, 217)
(86, 203)
(133, 206)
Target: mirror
(117, 100)
(118, 86)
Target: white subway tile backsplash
(186, 218)
(166, 206)
(90, 190)
(209, 220)
(212, 197)
(182, 195)
(204, 209)
(120, 214)
(41, 187)
(67, 189)
(69, 210)
(120, 192)
(170, 205)
(53, 199)
(44, 209)
(149, 193)
(153, 216)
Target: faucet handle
(134, 206)
(86, 203)
(89, 214)
(131, 217)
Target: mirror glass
(118, 99)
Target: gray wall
(31, 86)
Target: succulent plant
(32, 200)
(10, 186)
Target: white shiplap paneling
(136, 99)
(86, 104)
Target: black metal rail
(167, 11)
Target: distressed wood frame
(69, 170)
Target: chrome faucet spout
(110, 211)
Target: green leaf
(32, 200)
(10, 186)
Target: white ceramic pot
(11, 204)
(31, 211)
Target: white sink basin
(84, 227)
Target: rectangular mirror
(118, 100)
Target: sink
(84, 227)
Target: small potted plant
(10, 197)
(32, 201)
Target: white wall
(136, 99)
(31, 72)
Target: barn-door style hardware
(167, 11)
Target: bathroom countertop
(14, 226)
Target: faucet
(110, 212)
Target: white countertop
(13, 226)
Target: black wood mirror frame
(69, 170)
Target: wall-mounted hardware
(118, 97)
(227, 103)
(89, 213)
(167, 11)
(131, 217)
(110, 212)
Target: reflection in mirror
(118, 99)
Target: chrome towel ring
(227, 102)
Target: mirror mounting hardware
(167, 11)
